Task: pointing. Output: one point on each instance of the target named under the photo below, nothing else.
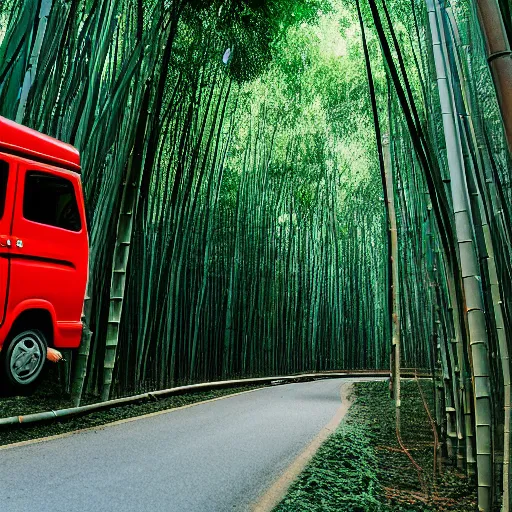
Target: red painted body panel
(22, 140)
(41, 266)
(65, 334)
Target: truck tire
(23, 359)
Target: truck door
(7, 187)
(49, 237)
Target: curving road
(216, 456)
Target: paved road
(218, 456)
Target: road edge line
(277, 491)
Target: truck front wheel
(23, 358)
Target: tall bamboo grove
(246, 218)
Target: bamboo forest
(275, 187)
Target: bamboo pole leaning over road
(499, 57)
(474, 305)
(482, 204)
(482, 208)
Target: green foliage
(361, 467)
(341, 477)
(251, 28)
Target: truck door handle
(5, 241)
(19, 243)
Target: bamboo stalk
(470, 273)
(31, 72)
(499, 58)
(394, 280)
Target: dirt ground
(363, 468)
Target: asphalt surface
(217, 456)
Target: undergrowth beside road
(362, 468)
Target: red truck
(44, 251)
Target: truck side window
(50, 199)
(4, 174)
